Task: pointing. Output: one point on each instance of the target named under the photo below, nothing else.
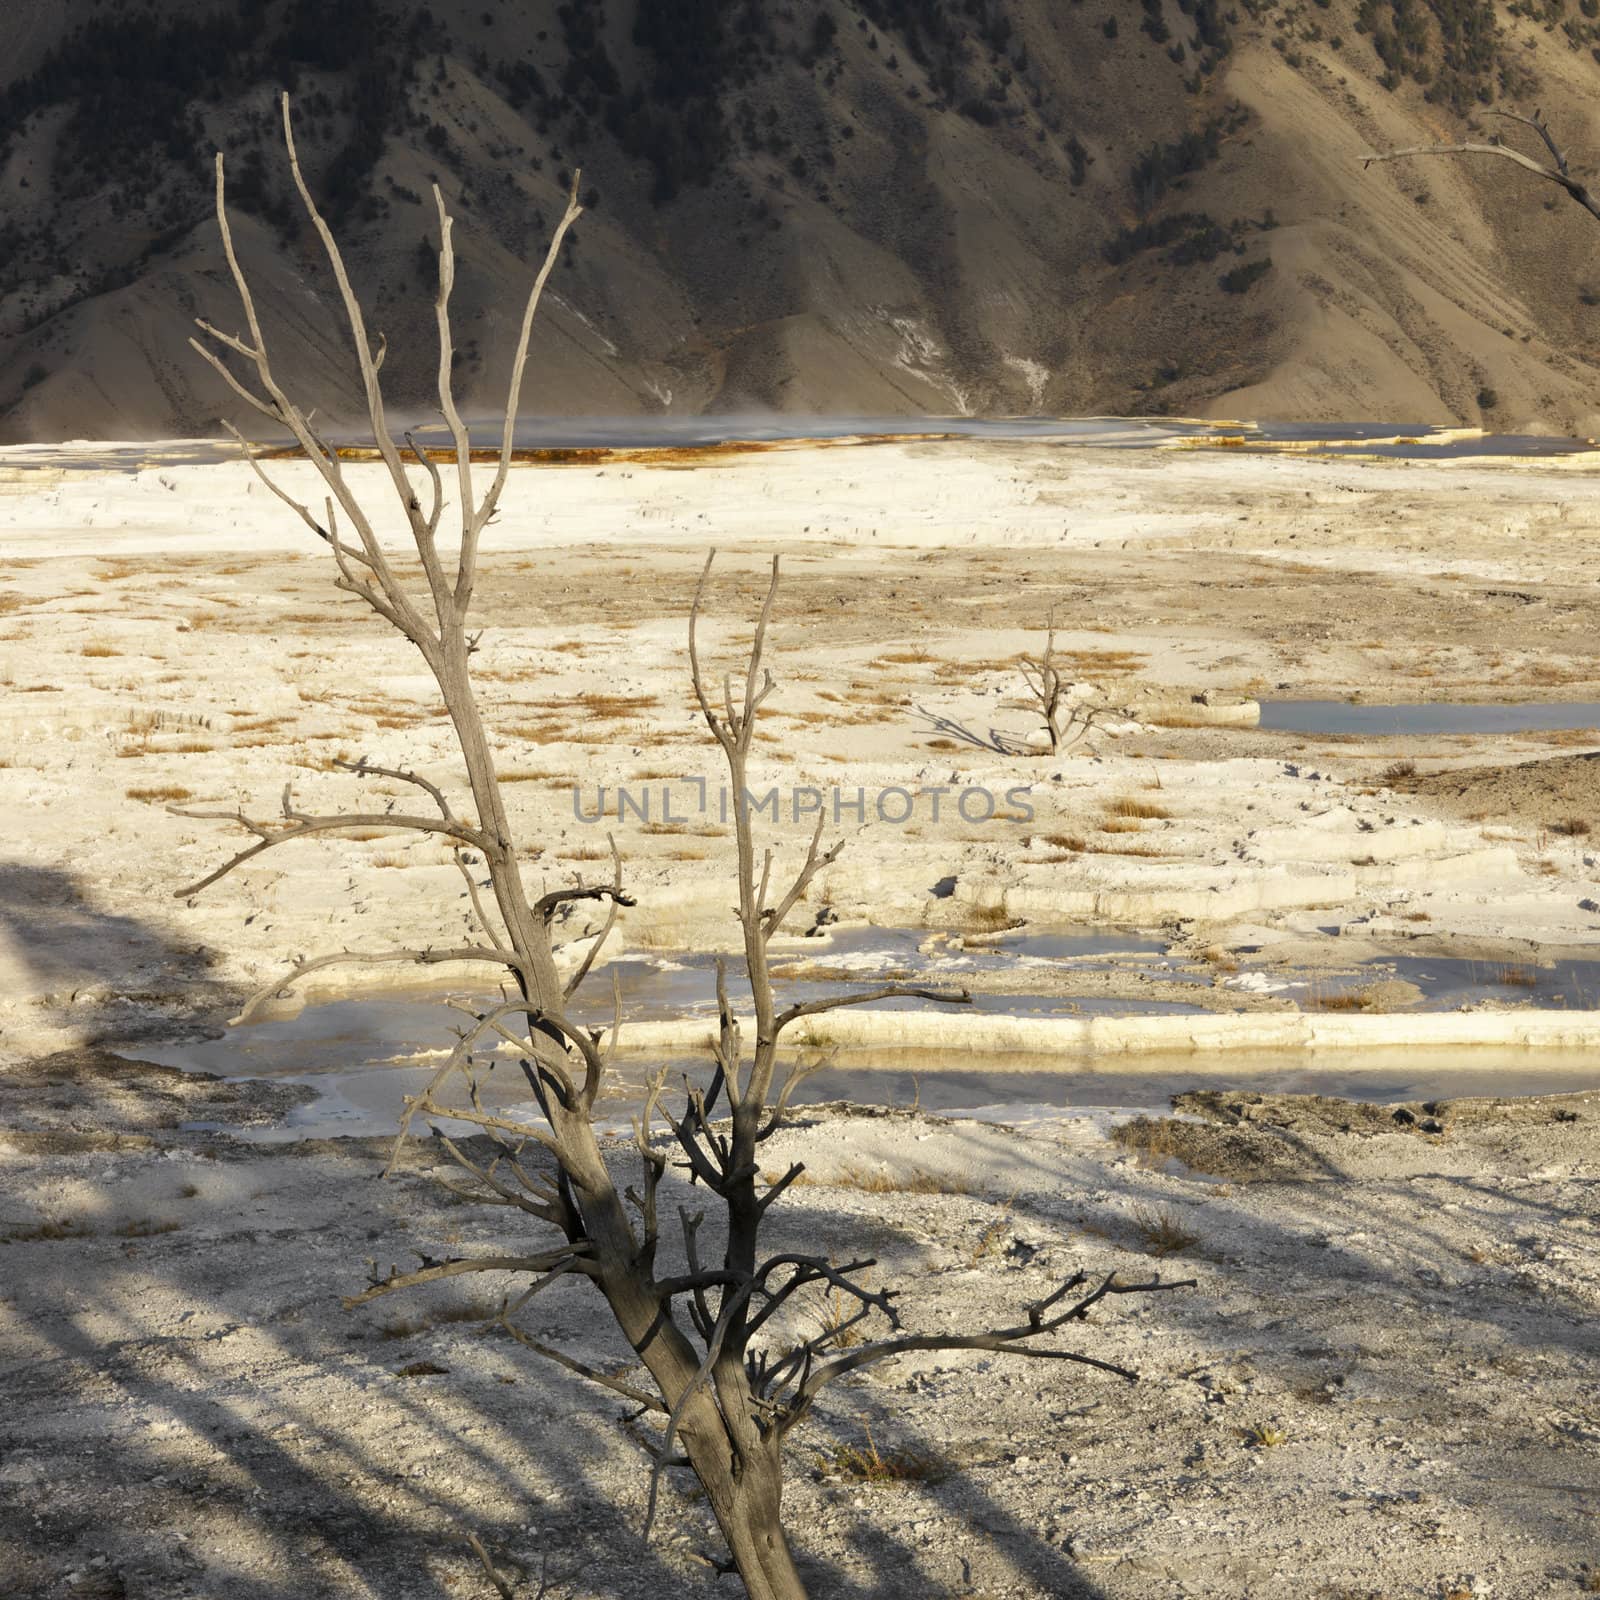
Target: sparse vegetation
(1240, 280)
(1265, 1436)
(49, 1229)
(868, 1464)
(1161, 1233)
(422, 1369)
(1130, 806)
(883, 1180)
(145, 1227)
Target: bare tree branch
(1557, 174)
(365, 958)
(727, 1404)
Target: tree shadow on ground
(92, 970)
(995, 740)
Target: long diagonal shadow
(995, 740)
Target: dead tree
(1065, 724)
(725, 1381)
(1557, 172)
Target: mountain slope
(859, 206)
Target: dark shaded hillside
(832, 205)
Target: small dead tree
(1065, 723)
(725, 1374)
(1557, 172)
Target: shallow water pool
(1340, 716)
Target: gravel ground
(1385, 1382)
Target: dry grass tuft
(98, 651)
(1121, 825)
(1153, 1139)
(161, 791)
(1398, 770)
(988, 918)
(50, 1228)
(144, 1228)
(870, 1180)
(1161, 1233)
(604, 706)
(1128, 806)
(989, 1240)
(1572, 827)
(1065, 841)
(838, 1313)
(468, 1311)
(868, 1464)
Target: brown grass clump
(161, 791)
(50, 1228)
(1121, 825)
(989, 1240)
(144, 1228)
(607, 706)
(880, 1181)
(467, 1311)
(1517, 976)
(1180, 719)
(547, 732)
(1161, 1233)
(1065, 841)
(1113, 662)
(1321, 999)
(1153, 1139)
(98, 651)
(838, 1320)
(992, 917)
(1127, 806)
(868, 1464)
(1572, 827)
(1398, 770)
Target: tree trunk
(748, 1511)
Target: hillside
(851, 206)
